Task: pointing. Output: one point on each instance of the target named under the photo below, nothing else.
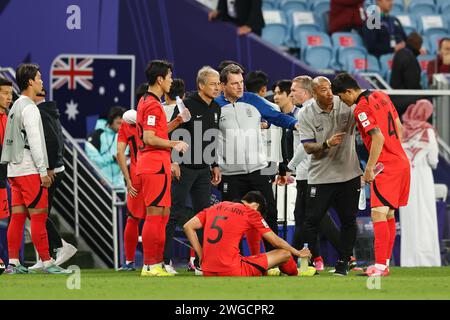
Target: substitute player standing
(25, 152)
(381, 131)
(153, 165)
(224, 225)
(6, 90)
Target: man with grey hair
(327, 131)
(241, 154)
(302, 96)
(196, 170)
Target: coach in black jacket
(246, 14)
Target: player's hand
(264, 125)
(369, 176)
(244, 30)
(131, 190)
(336, 139)
(181, 146)
(216, 176)
(297, 126)
(176, 172)
(212, 15)
(281, 180)
(305, 253)
(51, 174)
(46, 182)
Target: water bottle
(181, 108)
(304, 262)
(362, 194)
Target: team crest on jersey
(249, 112)
(151, 120)
(362, 116)
(264, 223)
(313, 192)
(216, 117)
(365, 123)
(225, 187)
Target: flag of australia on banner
(87, 86)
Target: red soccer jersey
(128, 134)
(151, 116)
(224, 224)
(375, 110)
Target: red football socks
(131, 238)
(15, 234)
(381, 245)
(150, 239)
(164, 220)
(39, 235)
(289, 267)
(392, 234)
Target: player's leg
(382, 237)
(14, 236)
(392, 234)
(156, 190)
(283, 259)
(131, 239)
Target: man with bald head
(327, 131)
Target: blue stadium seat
(432, 24)
(422, 7)
(276, 29)
(297, 5)
(315, 49)
(320, 6)
(346, 43)
(302, 22)
(269, 5)
(398, 7)
(444, 8)
(386, 66)
(433, 42)
(355, 63)
(409, 22)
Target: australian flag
(87, 86)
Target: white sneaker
(198, 272)
(39, 266)
(64, 253)
(170, 269)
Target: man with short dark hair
(381, 131)
(154, 165)
(224, 225)
(25, 153)
(170, 99)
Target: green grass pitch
(403, 283)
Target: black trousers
(197, 183)
(327, 226)
(343, 197)
(234, 187)
(54, 239)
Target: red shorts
(27, 191)
(4, 207)
(253, 266)
(136, 206)
(390, 189)
(156, 187)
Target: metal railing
(89, 203)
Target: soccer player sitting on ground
(381, 131)
(224, 225)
